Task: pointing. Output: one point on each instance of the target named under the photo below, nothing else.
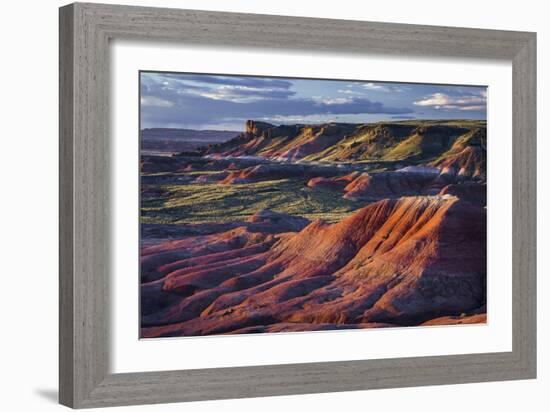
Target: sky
(202, 101)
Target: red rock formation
(467, 157)
(326, 183)
(400, 262)
(242, 176)
(212, 177)
(334, 183)
(154, 257)
(458, 149)
(387, 184)
(272, 171)
(468, 162)
(379, 185)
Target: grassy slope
(414, 141)
(475, 136)
(198, 203)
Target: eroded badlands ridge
(316, 227)
(401, 261)
(455, 147)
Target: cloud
(374, 86)
(383, 87)
(460, 102)
(332, 100)
(227, 80)
(347, 91)
(472, 108)
(245, 93)
(236, 89)
(199, 109)
(166, 101)
(155, 101)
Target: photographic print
(272, 204)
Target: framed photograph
(256, 205)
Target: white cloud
(481, 107)
(384, 87)
(284, 119)
(346, 91)
(444, 101)
(374, 86)
(241, 94)
(155, 102)
(333, 100)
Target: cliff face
(402, 261)
(456, 147)
(254, 128)
(467, 156)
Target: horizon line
(320, 123)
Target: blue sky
(199, 101)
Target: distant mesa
(156, 164)
(185, 141)
(454, 147)
(255, 128)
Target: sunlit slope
(412, 142)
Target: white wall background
(28, 210)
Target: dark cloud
(198, 109)
(238, 99)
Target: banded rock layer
(403, 261)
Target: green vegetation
(466, 123)
(212, 202)
(415, 142)
(169, 197)
(411, 147)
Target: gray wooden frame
(85, 31)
